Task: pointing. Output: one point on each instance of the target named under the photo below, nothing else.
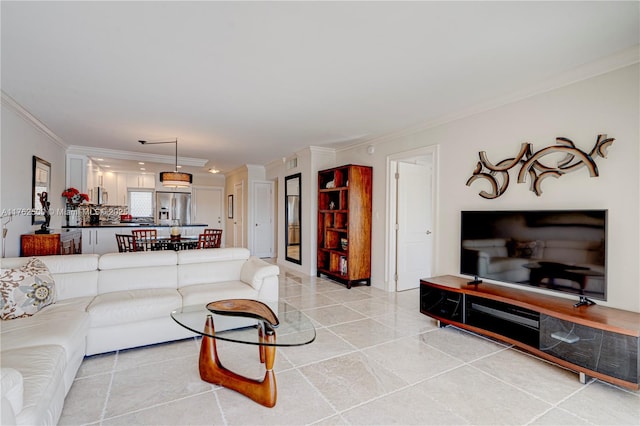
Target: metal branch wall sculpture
(574, 159)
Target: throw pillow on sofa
(525, 249)
(26, 290)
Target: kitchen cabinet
(101, 240)
(110, 185)
(118, 185)
(94, 178)
(139, 180)
(121, 189)
(77, 172)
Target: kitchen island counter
(101, 239)
(133, 225)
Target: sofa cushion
(116, 280)
(254, 271)
(72, 263)
(187, 257)
(137, 259)
(491, 246)
(42, 369)
(575, 252)
(134, 305)
(210, 266)
(12, 387)
(51, 326)
(504, 264)
(75, 275)
(202, 294)
(73, 304)
(26, 290)
(138, 270)
(210, 272)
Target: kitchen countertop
(132, 225)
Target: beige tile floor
(376, 361)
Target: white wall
(604, 104)
(310, 160)
(21, 140)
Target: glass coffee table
(266, 325)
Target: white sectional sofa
(111, 302)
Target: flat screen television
(559, 250)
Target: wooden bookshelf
(344, 224)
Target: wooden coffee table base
(263, 391)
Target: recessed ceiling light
(179, 167)
(141, 163)
(99, 159)
(142, 168)
(106, 165)
(214, 171)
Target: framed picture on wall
(230, 207)
(41, 183)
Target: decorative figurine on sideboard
(46, 204)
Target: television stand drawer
(596, 349)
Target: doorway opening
(412, 197)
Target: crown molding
(324, 149)
(237, 171)
(14, 106)
(616, 61)
(255, 167)
(137, 156)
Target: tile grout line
(108, 396)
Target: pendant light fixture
(175, 179)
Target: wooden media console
(594, 341)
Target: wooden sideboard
(59, 241)
(595, 341)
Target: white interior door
(207, 206)
(263, 219)
(414, 222)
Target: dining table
(175, 243)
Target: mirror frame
(297, 176)
(40, 182)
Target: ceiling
(251, 82)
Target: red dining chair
(217, 236)
(208, 241)
(126, 243)
(146, 239)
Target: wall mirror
(292, 191)
(41, 182)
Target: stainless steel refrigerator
(173, 206)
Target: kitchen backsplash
(105, 213)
